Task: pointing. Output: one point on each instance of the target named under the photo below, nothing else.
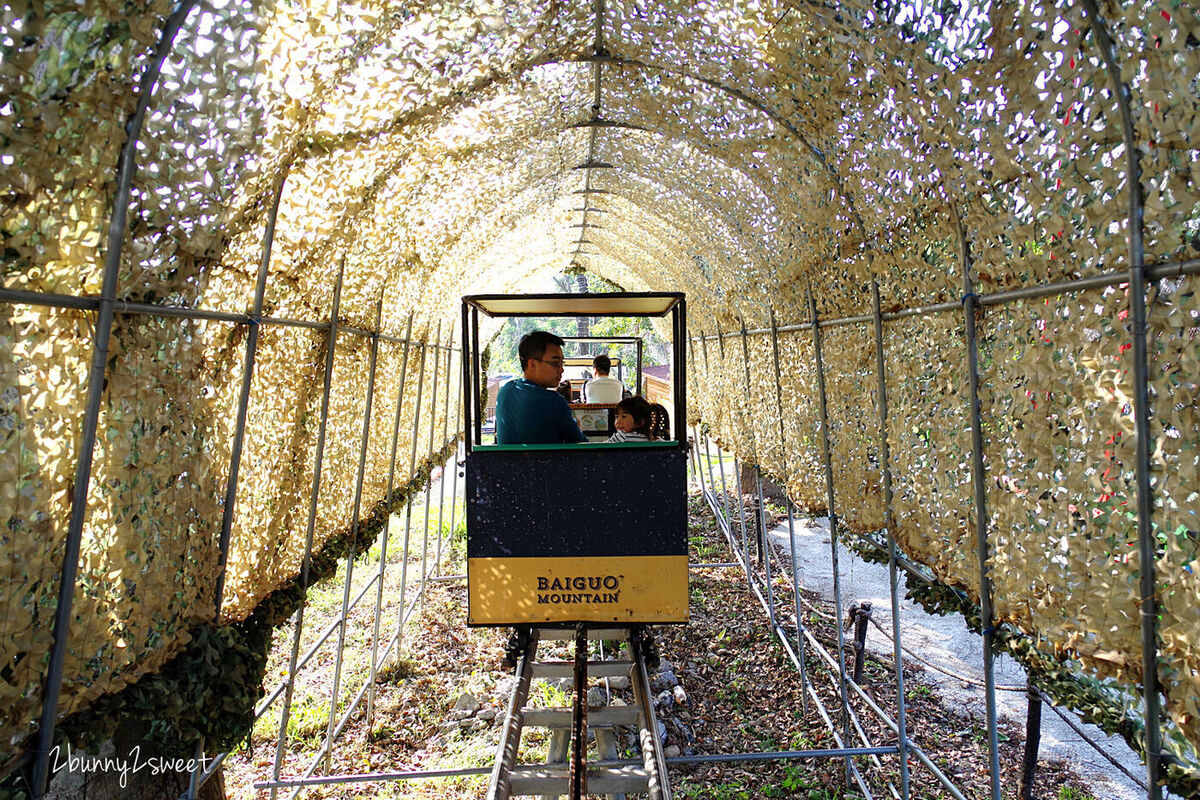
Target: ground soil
(743, 694)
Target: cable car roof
(610, 304)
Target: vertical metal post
(860, 615)
(827, 450)
(477, 355)
(306, 564)
(239, 435)
(412, 468)
(85, 448)
(788, 504)
(889, 521)
(467, 364)
(1147, 545)
(724, 495)
(454, 478)
(737, 471)
(681, 423)
(387, 527)
(724, 490)
(344, 618)
(970, 306)
(437, 561)
(750, 429)
(679, 381)
(460, 400)
(429, 479)
(1033, 740)
(765, 545)
(708, 467)
(638, 380)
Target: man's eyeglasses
(557, 363)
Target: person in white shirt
(602, 389)
(632, 421)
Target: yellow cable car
(576, 533)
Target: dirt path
(946, 642)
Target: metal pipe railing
(1173, 269)
(782, 635)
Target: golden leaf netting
(752, 154)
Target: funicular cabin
(575, 533)
(595, 419)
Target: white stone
(467, 702)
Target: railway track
(571, 772)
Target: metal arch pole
(412, 466)
(306, 565)
(788, 503)
(970, 307)
(889, 521)
(437, 561)
(1147, 545)
(239, 436)
(354, 520)
(1168, 269)
(391, 482)
(429, 479)
(85, 449)
(827, 451)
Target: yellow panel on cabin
(616, 589)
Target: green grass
(918, 690)
(308, 720)
(1071, 793)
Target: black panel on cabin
(577, 502)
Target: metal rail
(1152, 272)
(569, 771)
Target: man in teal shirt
(527, 411)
